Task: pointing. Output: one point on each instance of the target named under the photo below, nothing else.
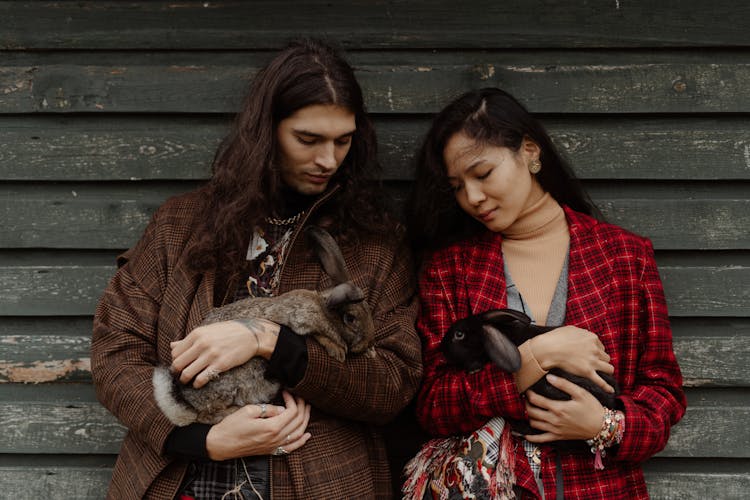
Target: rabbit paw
(371, 352)
(336, 351)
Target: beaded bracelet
(613, 428)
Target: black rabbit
(494, 336)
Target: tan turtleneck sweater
(534, 249)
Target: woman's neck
(538, 219)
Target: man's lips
(318, 179)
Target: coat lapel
(589, 276)
(484, 277)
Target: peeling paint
(423, 69)
(747, 155)
(42, 371)
(486, 71)
(186, 69)
(390, 98)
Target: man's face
(313, 143)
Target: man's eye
(344, 142)
(308, 142)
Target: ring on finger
(263, 410)
(212, 373)
(280, 451)
(288, 438)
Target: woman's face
(491, 183)
(313, 143)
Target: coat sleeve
(451, 400)
(373, 389)
(656, 401)
(123, 348)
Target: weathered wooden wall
(108, 107)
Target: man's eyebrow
(313, 134)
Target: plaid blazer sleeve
(451, 400)
(123, 349)
(373, 389)
(654, 400)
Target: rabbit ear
(501, 350)
(329, 254)
(344, 293)
(502, 317)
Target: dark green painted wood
(85, 428)
(89, 483)
(103, 217)
(134, 148)
(698, 485)
(435, 24)
(549, 82)
(41, 289)
(715, 361)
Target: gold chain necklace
(284, 222)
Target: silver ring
(288, 438)
(280, 451)
(263, 410)
(212, 373)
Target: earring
(535, 166)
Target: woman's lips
(485, 216)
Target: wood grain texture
(435, 24)
(90, 216)
(86, 428)
(90, 483)
(103, 148)
(715, 361)
(402, 82)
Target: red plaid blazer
(614, 290)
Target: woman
(301, 151)
(506, 224)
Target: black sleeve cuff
(188, 442)
(288, 361)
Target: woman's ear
(529, 149)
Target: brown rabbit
(338, 318)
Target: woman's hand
(245, 432)
(574, 350)
(579, 418)
(212, 349)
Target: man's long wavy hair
(245, 186)
(492, 117)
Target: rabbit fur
(338, 318)
(494, 336)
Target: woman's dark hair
(246, 184)
(490, 116)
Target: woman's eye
(484, 175)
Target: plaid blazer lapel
(589, 277)
(484, 277)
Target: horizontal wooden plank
(547, 82)
(82, 483)
(435, 24)
(49, 289)
(85, 428)
(96, 148)
(114, 216)
(89, 483)
(697, 485)
(715, 361)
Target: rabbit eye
(458, 335)
(348, 318)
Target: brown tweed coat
(155, 298)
